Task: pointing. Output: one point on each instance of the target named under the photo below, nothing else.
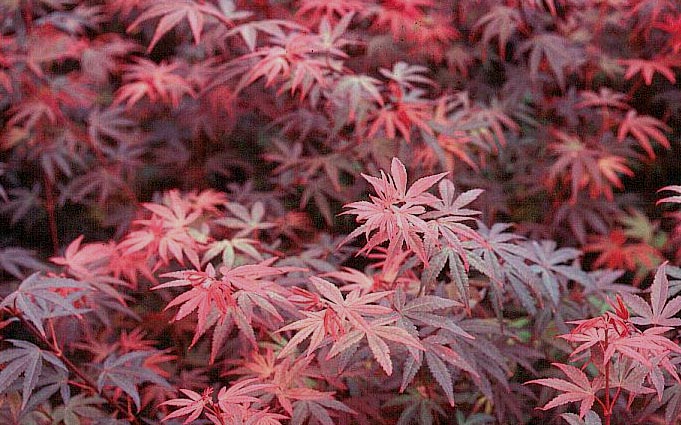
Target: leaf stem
(51, 217)
(607, 411)
(87, 382)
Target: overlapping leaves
(26, 360)
(347, 321)
(39, 298)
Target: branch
(88, 383)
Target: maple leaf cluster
(627, 358)
(340, 211)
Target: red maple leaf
(155, 81)
(172, 12)
(578, 390)
(644, 128)
(393, 215)
(661, 310)
(648, 67)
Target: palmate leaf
(500, 22)
(322, 191)
(418, 409)
(407, 75)
(559, 52)
(376, 332)
(84, 261)
(39, 298)
(353, 311)
(628, 375)
(230, 299)
(99, 184)
(393, 215)
(591, 418)
(639, 226)
(155, 81)
(499, 255)
(77, 408)
(586, 216)
(673, 401)
(77, 20)
(103, 54)
(31, 111)
(605, 98)
(439, 358)
(617, 252)
(59, 156)
(274, 27)
(23, 205)
(421, 311)
(51, 381)
(491, 367)
(648, 68)
(660, 311)
(228, 249)
(241, 393)
(330, 10)
(602, 283)
(25, 359)
(315, 326)
(644, 128)
(246, 221)
(675, 199)
(272, 63)
(233, 402)
(549, 264)
(450, 213)
(48, 44)
(192, 406)
(127, 372)
(308, 76)
(168, 233)
(317, 409)
(354, 307)
(110, 123)
(359, 93)
(583, 165)
(13, 260)
(580, 389)
(493, 122)
(172, 12)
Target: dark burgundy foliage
(299, 212)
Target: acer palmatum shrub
(340, 211)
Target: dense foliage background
(340, 211)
